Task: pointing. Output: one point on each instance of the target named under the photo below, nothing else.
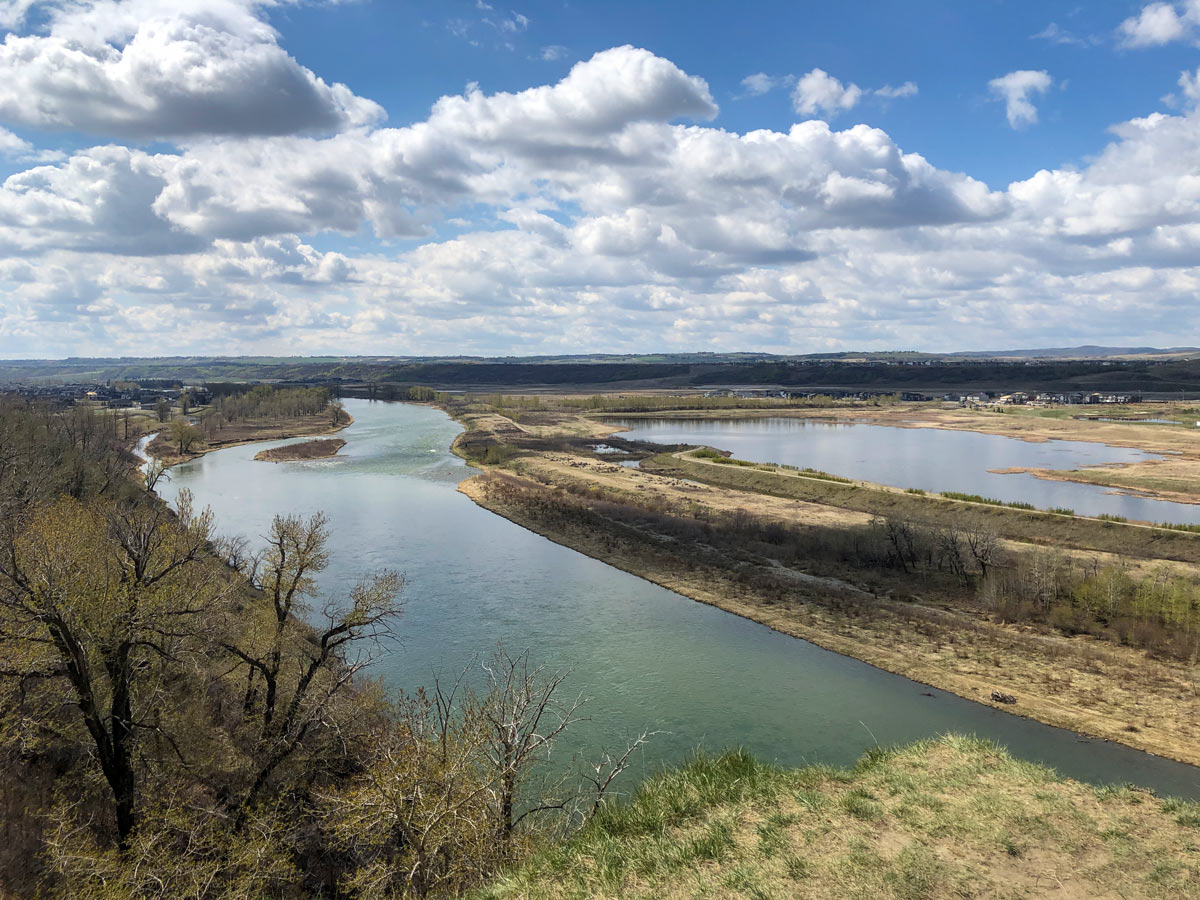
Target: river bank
(251, 432)
(1110, 692)
(947, 818)
(1174, 478)
(929, 633)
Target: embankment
(937, 820)
(1108, 691)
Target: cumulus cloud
(1189, 85)
(606, 214)
(818, 91)
(13, 12)
(1157, 23)
(1015, 89)
(147, 69)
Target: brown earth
(1111, 692)
(1094, 687)
(252, 432)
(319, 449)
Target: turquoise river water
(647, 658)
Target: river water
(931, 459)
(647, 658)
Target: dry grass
(1114, 692)
(1077, 683)
(251, 432)
(1027, 526)
(950, 818)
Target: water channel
(647, 658)
(931, 459)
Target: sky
(311, 177)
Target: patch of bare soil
(319, 449)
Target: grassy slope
(954, 817)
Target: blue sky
(405, 55)
(268, 176)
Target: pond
(647, 658)
(931, 459)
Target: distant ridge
(1087, 351)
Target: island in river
(791, 549)
(318, 449)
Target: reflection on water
(931, 459)
(647, 658)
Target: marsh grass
(943, 818)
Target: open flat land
(656, 522)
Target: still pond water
(647, 658)
(927, 458)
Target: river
(647, 658)
(932, 459)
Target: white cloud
(11, 145)
(553, 53)
(1159, 23)
(1189, 84)
(888, 92)
(13, 13)
(818, 91)
(599, 220)
(145, 69)
(1053, 34)
(761, 83)
(1015, 89)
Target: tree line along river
(647, 658)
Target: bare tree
(984, 547)
(98, 598)
(293, 671)
(524, 717)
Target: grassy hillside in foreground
(953, 817)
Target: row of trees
(183, 716)
(1159, 611)
(266, 401)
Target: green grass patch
(940, 819)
